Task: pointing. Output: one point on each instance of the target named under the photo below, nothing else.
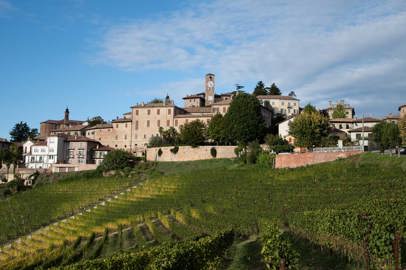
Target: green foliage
(156, 141)
(277, 250)
(243, 122)
(155, 101)
(265, 159)
(386, 135)
(309, 128)
(309, 108)
(193, 133)
(215, 130)
(339, 111)
(183, 255)
(253, 151)
(169, 136)
(213, 152)
(274, 90)
(117, 160)
(277, 144)
(260, 89)
(96, 120)
(22, 132)
(174, 150)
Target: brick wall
(187, 153)
(303, 159)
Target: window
(358, 136)
(136, 112)
(288, 104)
(347, 126)
(51, 157)
(81, 153)
(147, 123)
(116, 137)
(176, 122)
(340, 126)
(187, 121)
(125, 125)
(158, 123)
(99, 139)
(116, 125)
(145, 136)
(168, 122)
(136, 124)
(283, 103)
(224, 109)
(169, 111)
(71, 153)
(158, 111)
(32, 159)
(125, 137)
(148, 111)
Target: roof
(152, 105)
(122, 120)
(222, 102)
(197, 109)
(100, 126)
(103, 148)
(2, 140)
(391, 116)
(276, 97)
(40, 143)
(194, 115)
(60, 122)
(401, 106)
(367, 120)
(193, 96)
(366, 129)
(71, 128)
(342, 120)
(80, 139)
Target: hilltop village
(71, 145)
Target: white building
(42, 155)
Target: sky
(100, 57)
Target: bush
(156, 141)
(174, 150)
(193, 133)
(117, 160)
(277, 144)
(213, 152)
(160, 152)
(265, 159)
(277, 249)
(254, 149)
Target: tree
(402, 129)
(274, 90)
(22, 132)
(193, 133)
(156, 141)
(169, 136)
(215, 130)
(156, 100)
(260, 89)
(292, 94)
(386, 135)
(16, 156)
(339, 111)
(117, 160)
(309, 108)
(243, 122)
(309, 128)
(96, 120)
(277, 144)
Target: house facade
(402, 110)
(4, 144)
(284, 105)
(48, 126)
(348, 109)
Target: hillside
(184, 200)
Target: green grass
(207, 196)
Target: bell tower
(209, 89)
(66, 118)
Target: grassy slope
(217, 194)
(31, 209)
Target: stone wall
(188, 153)
(302, 159)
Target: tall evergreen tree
(22, 132)
(243, 122)
(260, 89)
(274, 90)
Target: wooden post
(396, 250)
(282, 265)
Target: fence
(338, 149)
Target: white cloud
(319, 49)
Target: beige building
(349, 110)
(285, 105)
(402, 110)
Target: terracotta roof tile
(276, 97)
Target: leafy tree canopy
(117, 160)
(243, 122)
(22, 132)
(156, 100)
(260, 89)
(193, 133)
(402, 129)
(169, 136)
(309, 128)
(339, 111)
(386, 135)
(274, 90)
(309, 108)
(215, 130)
(277, 144)
(96, 120)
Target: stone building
(402, 110)
(349, 110)
(48, 126)
(284, 105)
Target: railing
(339, 149)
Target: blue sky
(101, 57)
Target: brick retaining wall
(303, 159)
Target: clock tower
(209, 89)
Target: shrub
(277, 250)
(193, 133)
(174, 150)
(254, 149)
(213, 152)
(265, 159)
(277, 144)
(156, 141)
(160, 152)
(117, 160)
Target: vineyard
(352, 211)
